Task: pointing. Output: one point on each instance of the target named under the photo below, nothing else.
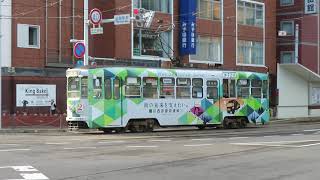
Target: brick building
(298, 56)
(230, 35)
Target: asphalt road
(287, 151)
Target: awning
(302, 71)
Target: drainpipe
(46, 32)
(60, 31)
(296, 45)
(73, 21)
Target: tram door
(113, 101)
(213, 97)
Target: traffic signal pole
(86, 31)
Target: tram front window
(73, 87)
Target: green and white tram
(138, 99)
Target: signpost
(95, 31)
(79, 50)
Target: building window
(147, 43)
(209, 9)
(163, 6)
(250, 14)
(288, 27)
(28, 36)
(208, 50)
(250, 52)
(287, 57)
(286, 2)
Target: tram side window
(265, 89)
(197, 90)
(256, 88)
(183, 88)
(107, 88)
(133, 87)
(73, 87)
(243, 89)
(212, 89)
(226, 88)
(167, 87)
(97, 87)
(150, 87)
(84, 87)
(116, 88)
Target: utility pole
(86, 31)
(296, 44)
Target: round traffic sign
(79, 50)
(95, 16)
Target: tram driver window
(243, 89)
(150, 85)
(256, 88)
(97, 87)
(183, 88)
(133, 87)
(197, 90)
(167, 87)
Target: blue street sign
(188, 25)
(79, 50)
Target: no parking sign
(79, 50)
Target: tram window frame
(97, 88)
(241, 87)
(197, 88)
(256, 86)
(133, 85)
(212, 85)
(150, 90)
(265, 88)
(116, 89)
(183, 88)
(169, 86)
(107, 88)
(84, 87)
(74, 92)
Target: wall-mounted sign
(310, 6)
(188, 38)
(35, 95)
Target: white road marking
(28, 173)
(56, 143)
(311, 130)
(9, 150)
(196, 145)
(297, 134)
(280, 143)
(23, 168)
(142, 146)
(317, 132)
(238, 137)
(8, 144)
(72, 148)
(34, 176)
(204, 139)
(271, 136)
(161, 140)
(110, 142)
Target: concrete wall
(293, 95)
(5, 33)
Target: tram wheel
(107, 131)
